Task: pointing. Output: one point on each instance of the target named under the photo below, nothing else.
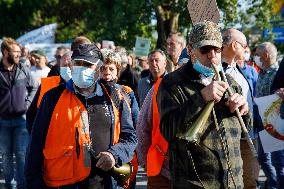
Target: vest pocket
(58, 164)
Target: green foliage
(119, 20)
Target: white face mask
(257, 61)
(65, 73)
(83, 77)
(246, 56)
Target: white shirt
(240, 79)
(37, 74)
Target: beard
(11, 60)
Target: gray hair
(270, 49)
(159, 51)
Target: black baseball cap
(89, 53)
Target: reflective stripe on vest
(159, 147)
(47, 83)
(63, 159)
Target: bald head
(234, 45)
(233, 34)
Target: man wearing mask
(213, 161)
(271, 163)
(54, 80)
(47, 84)
(17, 90)
(234, 47)
(68, 149)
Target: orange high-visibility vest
(159, 147)
(62, 164)
(47, 83)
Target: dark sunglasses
(57, 56)
(207, 49)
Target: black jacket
(16, 98)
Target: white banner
(43, 34)
(272, 137)
(49, 49)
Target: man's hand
(106, 161)
(280, 93)
(214, 91)
(238, 101)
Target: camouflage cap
(205, 33)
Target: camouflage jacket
(199, 166)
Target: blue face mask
(65, 73)
(208, 72)
(83, 77)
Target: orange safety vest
(47, 83)
(62, 165)
(159, 147)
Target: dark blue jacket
(15, 99)
(122, 151)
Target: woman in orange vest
(109, 72)
(79, 134)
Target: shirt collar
(271, 68)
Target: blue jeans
(14, 139)
(278, 163)
(273, 167)
(267, 167)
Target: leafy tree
(120, 20)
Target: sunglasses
(57, 56)
(207, 49)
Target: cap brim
(88, 60)
(37, 55)
(207, 43)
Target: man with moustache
(16, 90)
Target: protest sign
(142, 46)
(43, 34)
(272, 137)
(49, 49)
(203, 10)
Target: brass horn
(198, 128)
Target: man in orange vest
(53, 79)
(79, 134)
(152, 147)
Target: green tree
(120, 20)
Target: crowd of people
(88, 119)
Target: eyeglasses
(207, 49)
(243, 45)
